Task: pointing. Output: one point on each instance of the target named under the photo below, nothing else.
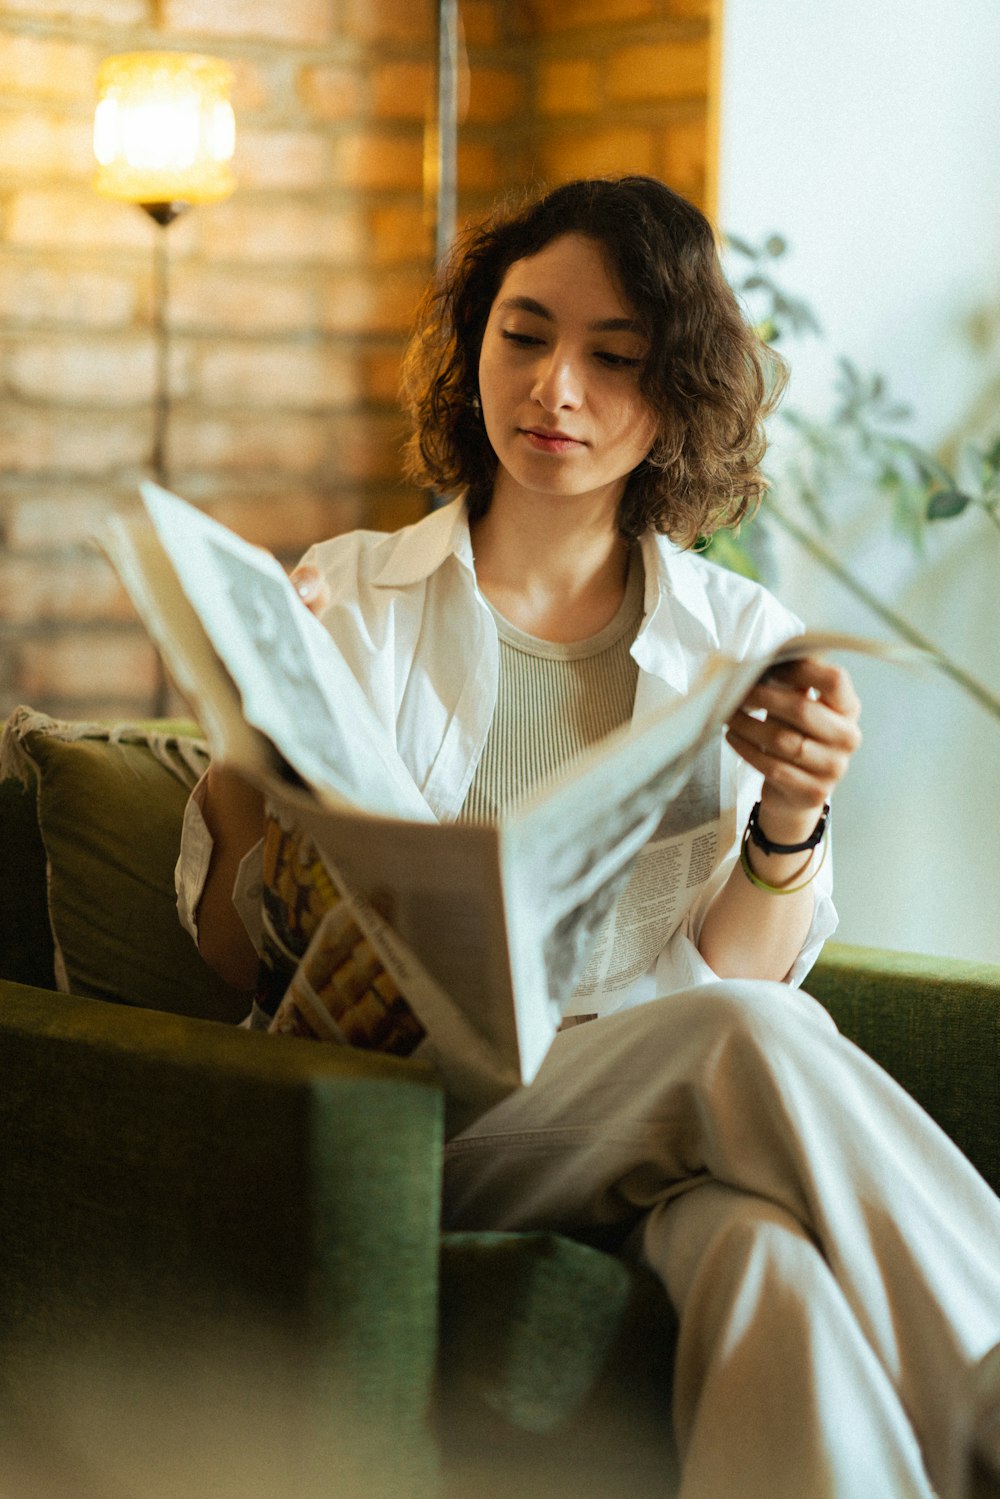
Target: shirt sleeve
(680, 964)
(191, 871)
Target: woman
(584, 379)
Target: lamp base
(165, 213)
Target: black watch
(760, 839)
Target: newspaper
(492, 932)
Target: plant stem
(896, 623)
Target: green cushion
(26, 950)
(934, 1024)
(555, 1365)
(109, 805)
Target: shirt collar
(675, 583)
(413, 554)
(675, 591)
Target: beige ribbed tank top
(553, 701)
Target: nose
(558, 382)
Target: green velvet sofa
(221, 1269)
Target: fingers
(831, 684)
(799, 728)
(311, 588)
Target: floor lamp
(441, 152)
(164, 135)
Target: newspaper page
(489, 931)
(570, 853)
(294, 686)
(667, 875)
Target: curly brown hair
(708, 377)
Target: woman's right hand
(234, 815)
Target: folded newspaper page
(490, 933)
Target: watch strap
(760, 840)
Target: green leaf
(729, 552)
(947, 503)
(741, 246)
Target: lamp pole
(163, 214)
(164, 135)
(446, 128)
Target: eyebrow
(603, 325)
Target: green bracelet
(755, 878)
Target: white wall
(868, 134)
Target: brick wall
(289, 303)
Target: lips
(547, 441)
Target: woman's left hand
(311, 587)
(802, 745)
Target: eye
(522, 340)
(618, 361)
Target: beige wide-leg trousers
(833, 1258)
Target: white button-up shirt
(406, 612)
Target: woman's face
(559, 377)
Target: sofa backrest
(90, 819)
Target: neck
(555, 567)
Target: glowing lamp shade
(164, 130)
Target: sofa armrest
(934, 1024)
(171, 1186)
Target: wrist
(780, 832)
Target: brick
(58, 518)
(106, 372)
(82, 588)
(61, 440)
(75, 218)
(592, 153)
(710, 10)
(35, 145)
(389, 20)
(368, 445)
(286, 21)
(307, 377)
(372, 304)
(113, 13)
(333, 91)
(481, 167)
(657, 71)
(683, 156)
(289, 523)
(381, 374)
(82, 666)
(285, 232)
(377, 162)
(46, 68)
(67, 293)
(568, 15)
(252, 89)
(207, 298)
(398, 507)
(400, 233)
(496, 95)
(403, 90)
(568, 86)
(248, 441)
(479, 22)
(288, 159)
